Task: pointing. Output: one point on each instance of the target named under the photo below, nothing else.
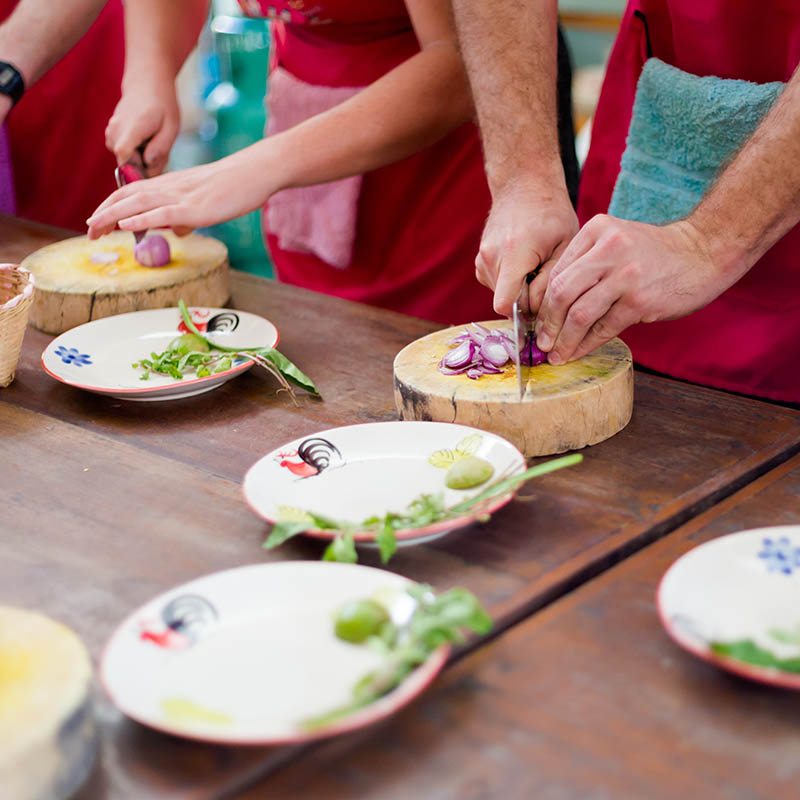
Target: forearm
(159, 36)
(406, 110)
(510, 52)
(756, 200)
(39, 32)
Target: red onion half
(152, 251)
(479, 351)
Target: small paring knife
(132, 170)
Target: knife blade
(523, 331)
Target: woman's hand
(147, 112)
(190, 198)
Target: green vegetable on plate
(193, 351)
(468, 472)
(424, 510)
(436, 620)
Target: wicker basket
(16, 296)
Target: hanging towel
(7, 202)
(317, 219)
(683, 130)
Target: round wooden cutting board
(48, 737)
(563, 408)
(71, 289)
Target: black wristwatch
(11, 82)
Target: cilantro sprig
(216, 358)
(436, 620)
(424, 510)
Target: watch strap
(11, 82)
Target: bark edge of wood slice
(70, 290)
(564, 408)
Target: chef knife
(523, 331)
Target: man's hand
(526, 229)
(149, 111)
(616, 273)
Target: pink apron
(416, 224)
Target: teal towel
(683, 130)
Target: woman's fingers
(161, 217)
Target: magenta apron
(7, 204)
(748, 339)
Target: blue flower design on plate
(71, 355)
(781, 555)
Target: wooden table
(587, 699)
(110, 502)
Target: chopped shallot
(479, 351)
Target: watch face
(7, 76)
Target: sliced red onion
(102, 257)
(494, 351)
(480, 351)
(152, 251)
(531, 355)
(459, 356)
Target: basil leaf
(748, 651)
(342, 548)
(281, 531)
(387, 543)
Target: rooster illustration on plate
(182, 621)
(312, 457)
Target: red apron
(62, 169)
(748, 339)
(419, 221)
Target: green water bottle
(236, 105)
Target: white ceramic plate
(359, 471)
(744, 587)
(244, 656)
(98, 355)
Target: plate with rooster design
(98, 356)
(249, 655)
(359, 473)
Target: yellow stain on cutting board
(182, 711)
(126, 263)
(17, 669)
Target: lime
(189, 343)
(358, 619)
(468, 472)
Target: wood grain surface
(588, 699)
(110, 502)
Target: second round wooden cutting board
(71, 290)
(564, 408)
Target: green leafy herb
(195, 352)
(748, 651)
(436, 620)
(424, 510)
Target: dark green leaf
(291, 372)
(281, 531)
(342, 548)
(387, 543)
(748, 651)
